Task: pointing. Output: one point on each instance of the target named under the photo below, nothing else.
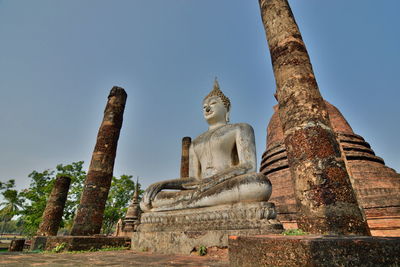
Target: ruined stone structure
(89, 217)
(377, 186)
(310, 147)
(223, 194)
(53, 212)
(323, 191)
(129, 224)
(186, 141)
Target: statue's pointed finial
(216, 91)
(216, 84)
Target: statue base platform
(184, 231)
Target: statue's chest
(215, 144)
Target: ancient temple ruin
(377, 186)
(326, 178)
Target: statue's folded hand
(190, 186)
(151, 192)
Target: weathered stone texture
(251, 215)
(180, 231)
(313, 251)
(54, 210)
(186, 141)
(186, 242)
(89, 216)
(322, 186)
(377, 186)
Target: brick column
(322, 186)
(186, 141)
(89, 217)
(54, 210)
(16, 245)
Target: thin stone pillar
(186, 141)
(322, 186)
(89, 217)
(54, 210)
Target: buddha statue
(222, 166)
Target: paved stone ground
(108, 258)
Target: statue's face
(214, 110)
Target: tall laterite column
(54, 210)
(89, 217)
(322, 186)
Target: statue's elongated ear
(227, 116)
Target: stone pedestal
(278, 250)
(182, 231)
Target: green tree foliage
(11, 202)
(119, 198)
(35, 199)
(31, 202)
(36, 195)
(12, 227)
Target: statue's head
(216, 105)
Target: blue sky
(59, 59)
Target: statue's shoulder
(242, 126)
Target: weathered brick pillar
(16, 245)
(322, 186)
(186, 141)
(89, 217)
(54, 210)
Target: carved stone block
(180, 231)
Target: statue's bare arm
(177, 184)
(152, 191)
(245, 144)
(194, 164)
